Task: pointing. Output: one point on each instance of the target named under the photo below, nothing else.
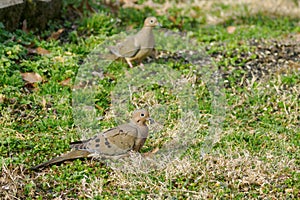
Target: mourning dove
(137, 47)
(114, 143)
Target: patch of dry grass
(12, 181)
(232, 175)
(249, 7)
(218, 11)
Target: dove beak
(159, 24)
(151, 121)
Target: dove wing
(128, 48)
(122, 138)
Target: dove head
(151, 22)
(140, 117)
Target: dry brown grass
(237, 172)
(11, 181)
(236, 8)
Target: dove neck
(146, 29)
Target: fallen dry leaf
(231, 29)
(151, 153)
(31, 50)
(89, 7)
(30, 45)
(99, 107)
(42, 51)
(2, 98)
(289, 190)
(55, 35)
(24, 26)
(31, 77)
(67, 53)
(84, 5)
(59, 59)
(172, 19)
(66, 82)
(44, 102)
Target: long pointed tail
(68, 156)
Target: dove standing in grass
(139, 46)
(114, 143)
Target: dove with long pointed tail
(113, 143)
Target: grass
(256, 153)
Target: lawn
(223, 88)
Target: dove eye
(142, 114)
(151, 21)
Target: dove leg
(129, 63)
